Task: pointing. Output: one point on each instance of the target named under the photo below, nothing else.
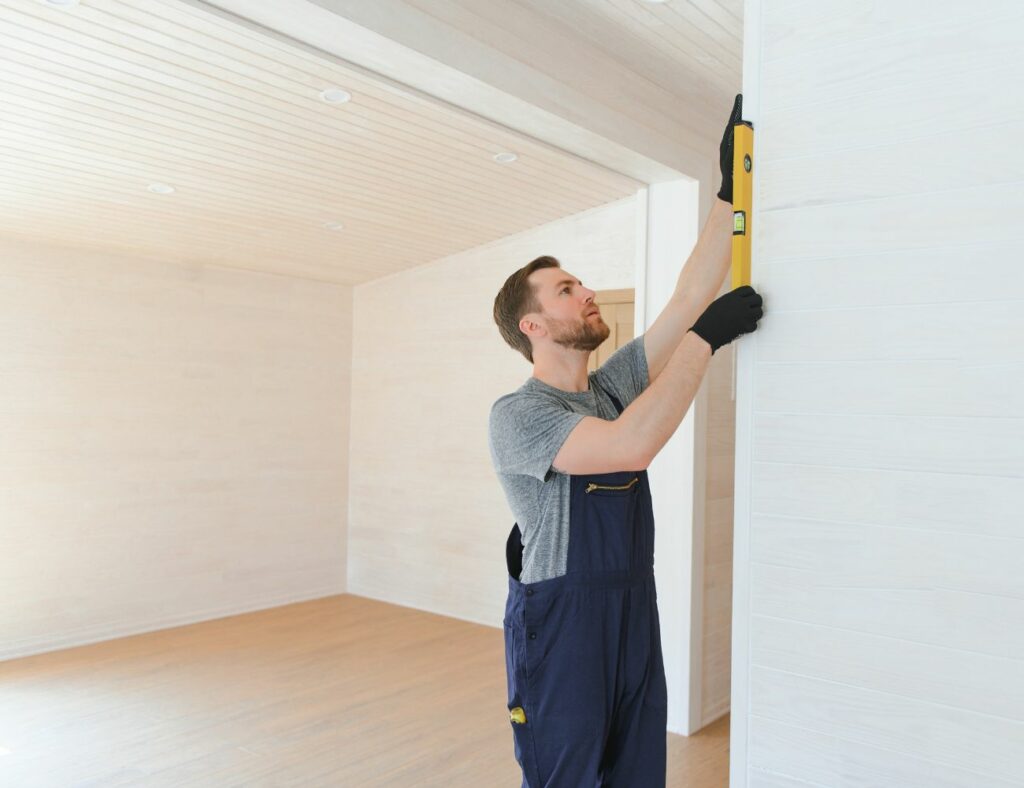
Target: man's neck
(566, 374)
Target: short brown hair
(516, 298)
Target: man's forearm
(702, 276)
(652, 418)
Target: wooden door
(617, 310)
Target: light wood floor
(342, 691)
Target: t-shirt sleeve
(625, 373)
(526, 432)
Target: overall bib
(586, 681)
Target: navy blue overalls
(586, 681)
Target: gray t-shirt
(529, 426)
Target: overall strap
(514, 552)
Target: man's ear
(526, 325)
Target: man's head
(540, 303)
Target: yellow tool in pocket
(518, 715)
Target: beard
(585, 334)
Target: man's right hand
(728, 316)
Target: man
(586, 682)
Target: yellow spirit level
(742, 200)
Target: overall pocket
(514, 681)
(606, 536)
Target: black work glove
(726, 148)
(728, 316)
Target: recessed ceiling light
(335, 96)
(334, 225)
(161, 188)
(505, 158)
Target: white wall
(428, 518)
(879, 630)
(173, 443)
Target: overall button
(529, 592)
(533, 636)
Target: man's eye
(565, 289)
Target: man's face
(568, 310)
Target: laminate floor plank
(339, 691)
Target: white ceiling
(106, 97)
(691, 48)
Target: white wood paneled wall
(173, 443)
(427, 516)
(879, 600)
